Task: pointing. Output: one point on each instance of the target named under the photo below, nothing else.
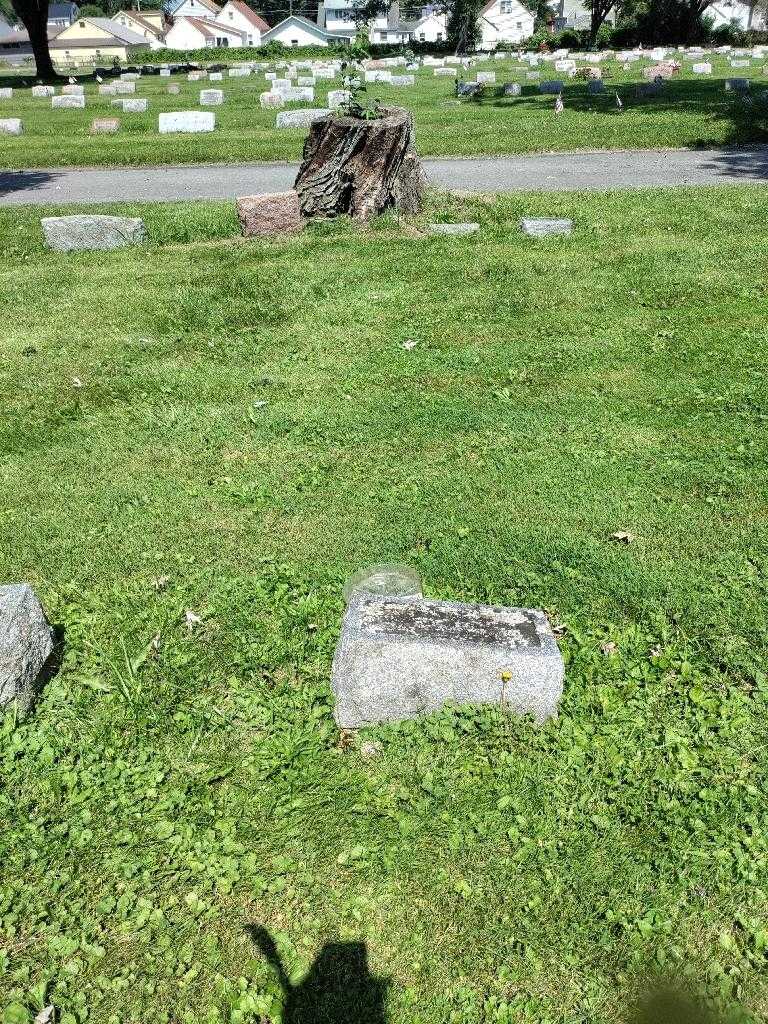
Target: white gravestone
(186, 121)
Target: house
(200, 34)
(62, 15)
(337, 17)
(204, 10)
(504, 21)
(297, 31)
(239, 15)
(430, 26)
(577, 14)
(153, 36)
(95, 41)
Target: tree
(599, 11)
(463, 28)
(34, 16)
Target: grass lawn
(231, 428)
(693, 111)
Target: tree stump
(360, 168)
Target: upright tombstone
(6, 94)
(360, 167)
(11, 126)
(540, 227)
(43, 91)
(26, 644)
(401, 657)
(211, 97)
(186, 121)
(275, 213)
(68, 102)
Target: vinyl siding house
(62, 15)
(429, 27)
(205, 10)
(502, 22)
(15, 47)
(95, 41)
(239, 15)
(199, 34)
(297, 31)
(152, 34)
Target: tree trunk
(34, 16)
(360, 168)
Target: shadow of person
(339, 988)
(667, 1006)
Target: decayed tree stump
(360, 168)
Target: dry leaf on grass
(623, 537)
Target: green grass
(166, 798)
(694, 111)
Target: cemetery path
(548, 172)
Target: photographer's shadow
(339, 988)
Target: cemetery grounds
(202, 438)
(693, 110)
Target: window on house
(506, 6)
(422, 37)
(519, 26)
(250, 40)
(439, 37)
(294, 42)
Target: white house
(429, 27)
(136, 23)
(504, 21)
(297, 31)
(206, 10)
(239, 15)
(734, 12)
(198, 34)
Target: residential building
(503, 22)
(239, 15)
(95, 41)
(62, 15)
(199, 34)
(136, 22)
(205, 10)
(15, 47)
(297, 31)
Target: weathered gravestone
(41, 91)
(92, 231)
(271, 99)
(186, 121)
(174, 90)
(211, 97)
(539, 227)
(398, 658)
(737, 85)
(468, 228)
(702, 68)
(105, 125)
(72, 90)
(486, 77)
(275, 213)
(68, 102)
(11, 126)
(300, 118)
(595, 86)
(26, 644)
(133, 105)
(338, 98)
(297, 94)
(513, 89)
(108, 90)
(124, 88)
(6, 94)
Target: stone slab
(131, 105)
(186, 121)
(274, 213)
(6, 94)
(300, 118)
(72, 90)
(513, 89)
(11, 126)
(92, 231)
(211, 97)
(68, 102)
(399, 658)
(539, 227)
(468, 228)
(338, 97)
(105, 125)
(124, 88)
(551, 87)
(26, 644)
(40, 91)
(271, 99)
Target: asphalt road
(549, 172)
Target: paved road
(551, 172)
